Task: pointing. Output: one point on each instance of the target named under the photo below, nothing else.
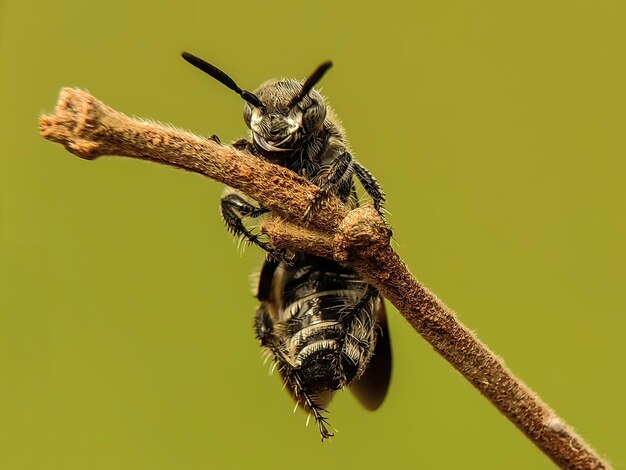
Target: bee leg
(360, 322)
(331, 181)
(264, 325)
(309, 404)
(303, 398)
(370, 295)
(283, 256)
(371, 186)
(234, 209)
(264, 329)
(244, 145)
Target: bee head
(287, 117)
(280, 113)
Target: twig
(88, 128)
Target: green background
(497, 131)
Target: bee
(324, 325)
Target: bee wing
(266, 280)
(370, 389)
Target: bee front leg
(331, 182)
(244, 145)
(371, 186)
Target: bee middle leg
(234, 209)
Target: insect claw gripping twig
(282, 256)
(312, 209)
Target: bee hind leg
(264, 329)
(305, 399)
(264, 325)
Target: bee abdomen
(324, 347)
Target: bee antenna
(311, 82)
(223, 78)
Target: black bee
(325, 326)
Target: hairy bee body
(321, 318)
(326, 329)
(324, 325)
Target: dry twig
(89, 129)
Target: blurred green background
(497, 130)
